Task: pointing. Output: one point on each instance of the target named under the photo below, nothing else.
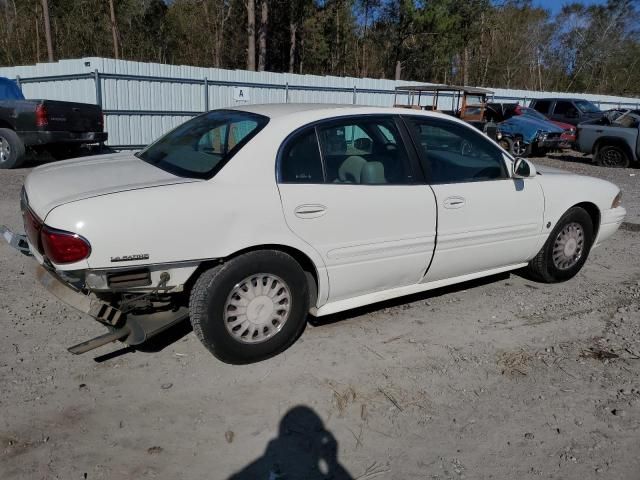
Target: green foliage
(500, 44)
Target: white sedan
(247, 220)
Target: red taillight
(32, 226)
(42, 120)
(64, 247)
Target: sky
(556, 5)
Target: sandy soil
(501, 378)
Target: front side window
(367, 151)
(200, 147)
(564, 108)
(455, 153)
(587, 107)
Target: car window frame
(425, 162)
(564, 114)
(550, 107)
(413, 162)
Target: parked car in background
(58, 127)
(314, 209)
(566, 110)
(613, 139)
(499, 112)
(524, 135)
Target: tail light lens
(42, 119)
(64, 247)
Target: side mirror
(523, 169)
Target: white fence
(141, 101)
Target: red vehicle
(502, 111)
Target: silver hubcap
(5, 150)
(519, 148)
(257, 308)
(569, 246)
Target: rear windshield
(587, 107)
(9, 90)
(200, 147)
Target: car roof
(317, 111)
(564, 99)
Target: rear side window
(200, 147)
(300, 161)
(542, 106)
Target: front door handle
(454, 202)
(310, 211)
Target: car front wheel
(566, 250)
(250, 307)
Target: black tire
(612, 156)
(543, 267)
(506, 143)
(211, 291)
(11, 149)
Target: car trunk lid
(53, 185)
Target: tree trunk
(398, 69)
(251, 35)
(293, 28)
(262, 35)
(114, 30)
(47, 28)
(465, 67)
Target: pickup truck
(612, 139)
(43, 125)
(567, 110)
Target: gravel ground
(499, 378)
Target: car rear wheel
(251, 307)
(11, 149)
(566, 250)
(612, 156)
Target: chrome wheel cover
(568, 247)
(519, 148)
(257, 308)
(5, 150)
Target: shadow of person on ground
(303, 449)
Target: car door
(486, 219)
(351, 190)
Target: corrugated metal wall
(138, 110)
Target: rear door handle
(454, 202)
(310, 211)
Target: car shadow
(585, 160)
(176, 332)
(407, 299)
(303, 449)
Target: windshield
(9, 90)
(587, 107)
(200, 147)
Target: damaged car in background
(247, 220)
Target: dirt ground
(502, 378)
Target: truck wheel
(251, 307)
(566, 249)
(11, 149)
(612, 156)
